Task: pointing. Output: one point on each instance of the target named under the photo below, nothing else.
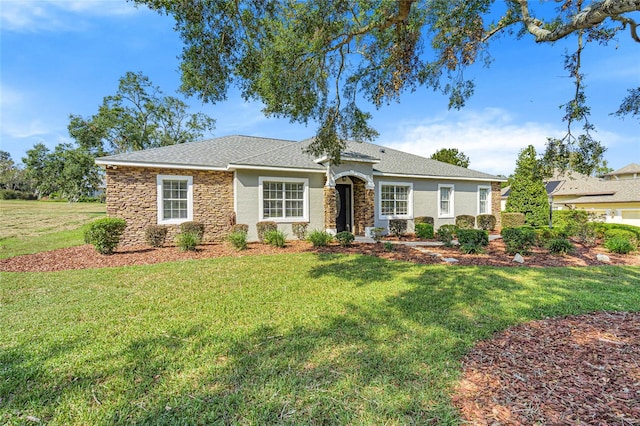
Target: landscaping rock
(518, 258)
(602, 258)
(450, 259)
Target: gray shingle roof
(249, 151)
(628, 169)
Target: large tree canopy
(451, 156)
(137, 117)
(312, 60)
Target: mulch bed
(582, 370)
(85, 257)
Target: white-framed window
(284, 199)
(175, 199)
(445, 200)
(484, 199)
(395, 200)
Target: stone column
(330, 209)
(495, 203)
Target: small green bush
(238, 239)
(240, 227)
(518, 240)
(155, 235)
(465, 221)
(377, 234)
(320, 238)
(424, 219)
(397, 227)
(275, 238)
(187, 241)
(619, 245)
(586, 233)
(473, 236)
(569, 221)
(196, 228)
(446, 234)
(105, 233)
(388, 246)
(559, 246)
(601, 228)
(486, 222)
(264, 227)
(300, 230)
(544, 235)
(345, 238)
(512, 219)
(471, 248)
(424, 231)
(621, 234)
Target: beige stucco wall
(246, 184)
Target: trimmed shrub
(320, 238)
(275, 238)
(155, 235)
(238, 239)
(345, 238)
(187, 241)
(473, 236)
(544, 235)
(465, 221)
(486, 222)
(196, 228)
(424, 231)
(377, 234)
(470, 248)
(559, 246)
(601, 228)
(388, 246)
(105, 233)
(518, 240)
(424, 219)
(240, 227)
(621, 234)
(446, 233)
(619, 245)
(300, 230)
(398, 227)
(264, 227)
(512, 219)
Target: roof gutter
(115, 164)
(484, 179)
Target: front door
(343, 207)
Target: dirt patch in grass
(85, 257)
(580, 370)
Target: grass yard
(34, 226)
(285, 339)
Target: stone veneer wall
(330, 209)
(132, 196)
(363, 207)
(495, 203)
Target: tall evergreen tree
(528, 194)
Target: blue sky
(63, 57)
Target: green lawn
(287, 339)
(34, 226)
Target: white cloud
(56, 15)
(491, 138)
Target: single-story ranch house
(244, 179)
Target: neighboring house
(615, 198)
(243, 179)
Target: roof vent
(382, 150)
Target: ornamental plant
(424, 231)
(424, 219)
(300, 230)
(105, 233)
(559, 246)
(345, 238)
(518, 240)
(320, 238)
(155, 235)
(193, 227)
(486, 222)
(238, 239)
(264, 227)
(446, 233)
(398, 227)
(275, 238)
(465, 221)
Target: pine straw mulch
(582, 370)
(85, 257)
